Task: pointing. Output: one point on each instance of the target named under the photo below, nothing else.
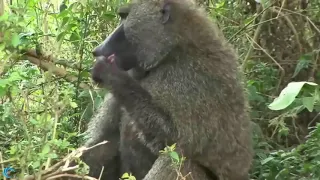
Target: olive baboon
(191, 95)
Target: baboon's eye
(165, 11)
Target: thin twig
(2, 166)
(291, 26)
(101, 172)
(282, 5)
(280, 67)
(255, 38)
(71, 175)
(314, 119)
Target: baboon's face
(148, 27)
(144, 36)
(117, 44)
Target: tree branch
(46, 64)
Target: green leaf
(288, 95)
(125, 175)
(109, 16)
(4, 83)
(303, 63)
(36, 164)
(74, 37)
(64, 21)
(2, 46)
(46, 149)
(15, 41)
(4, 17)
(308, 102)
(73, 105)
(33, 121)
(266, 160)
(174, 155)
(61, 36)
(3, 91)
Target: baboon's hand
(105, 71)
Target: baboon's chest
(130, 129)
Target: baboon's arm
(156, 127)
(105, 124)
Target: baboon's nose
(95, 52)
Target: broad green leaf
(303, 63)
(4, 17)
(174, 155)
(4, 83)
(36, 164)
(64, 21)
(71, 27)
(75, 36)
(288, 95)
(2, 46)
(15, 41)
(308, 102)
(125, 175)
(46, 149)
(3, 91)
(73, 104)
(266, 160)
(33, 121)
(61, 36)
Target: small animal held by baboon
(173, 78)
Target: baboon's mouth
(111, 58)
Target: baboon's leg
(162, 169)
(104, 126)
(136, 158)
(106, 156)
(233, 167)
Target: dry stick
(296, 129)
(250, 22)
(55, 170)
(280, 67)
(56, 70)
(102, 169)
(60, 171)
(71, 175)
(56, 119)
(255, 38)
(282, 5)
(1, 159)
(76, 153)
(314, 67)
(315, 118)
(307, 18)
(8, 161)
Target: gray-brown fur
(191, 96)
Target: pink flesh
(111, 58)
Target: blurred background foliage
(47, 97)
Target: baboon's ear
(166, 12)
